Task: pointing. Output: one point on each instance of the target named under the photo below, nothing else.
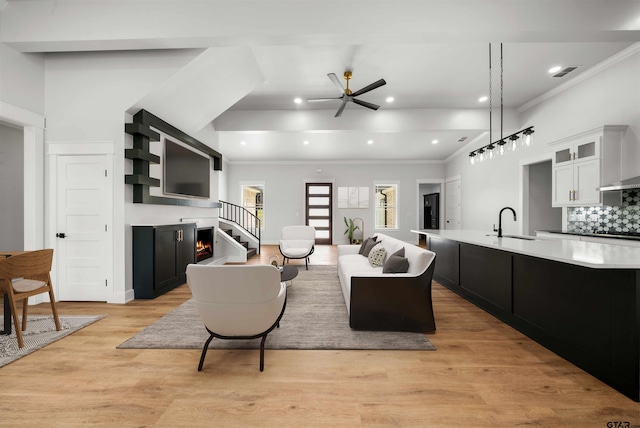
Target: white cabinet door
(562, 182)
(586, 178)
(452, 189)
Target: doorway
(429, 186)
(537, 192)
(319, 210)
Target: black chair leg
(204, 352)
(306, 262)
(264, 338)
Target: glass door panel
(318, 210)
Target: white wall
(611, 97)
(87, 96)
(22, 79)
(11, 188)
(285, 189)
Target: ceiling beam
(76, 25)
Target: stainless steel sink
(526, 238)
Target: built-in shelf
(142, 133)
(139, 179)
(141, 155)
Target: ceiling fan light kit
(349, 96)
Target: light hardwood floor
(484, 374)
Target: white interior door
(452, 204)
(84, 221)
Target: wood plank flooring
(484, 374)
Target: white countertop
(588, 254)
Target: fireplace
(204, 244)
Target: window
(386, 197)
(253, 200)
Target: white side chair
(237, 302)
(297, 242)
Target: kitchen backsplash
(623, 218)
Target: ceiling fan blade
(341, 109)
(336, 82)
(366, 104)
(370, 87)
(317, 100)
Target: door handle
(61, 235)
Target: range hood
(629, 183)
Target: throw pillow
(399, 253)
(371, 242)
(364, 243)
(377, 255)
(396, 264)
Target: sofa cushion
(367, 246)
(377, 255)
(396, 263)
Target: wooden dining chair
(25, 275)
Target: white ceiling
(433, 55)
(419, 76)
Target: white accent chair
(297, 242)
(237, 302)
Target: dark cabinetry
(160, 257)
(588, 316)
(447, 269)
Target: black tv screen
(185, 171)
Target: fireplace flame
(201, 247)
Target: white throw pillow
(377, 255)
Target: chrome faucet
(499, 230)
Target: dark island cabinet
(160, 257)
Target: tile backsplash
(623, 218)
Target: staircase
(250, 251)
(245, 220)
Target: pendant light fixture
(504, 144)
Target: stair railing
(242, 217)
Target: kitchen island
(579, 299)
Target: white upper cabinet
(583, 162)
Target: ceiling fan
(347, 95)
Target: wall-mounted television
(186, 172)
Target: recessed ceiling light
(483, 98)
(390, 99)
(306, 143)
(244, 143)
(555, 69)
(370, 142)
(298, 100)
(434, 141)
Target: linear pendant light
(511, 141)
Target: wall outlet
(580, 217)
(593, 217)
(572, 217)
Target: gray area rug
(41, 331)
(315, 318)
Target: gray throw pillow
(399, 253)
(396, 264)
(367, 246)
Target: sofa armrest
(348, 249)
